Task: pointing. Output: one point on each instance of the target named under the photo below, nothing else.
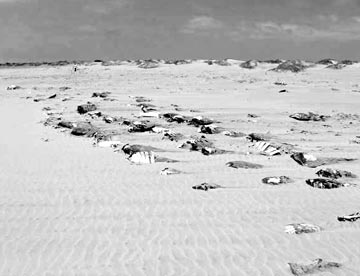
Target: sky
(47, 30)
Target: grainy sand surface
(69, 208)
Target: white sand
(68, 208)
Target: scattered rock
(351, 218)
(83, 129)
(316, 266)
(337, 66)
(332, 173)
(210, 129)
(301, 228)
(169, 171)
(277, 180)
(100, 94)
(327, 61)
(308, 117)
(108, 144)
(174, 117)
(294, 66)
(66, 124)
(149, 65)
(252, 115)
(311, 161)
(138, 126)
(13, 87)
(84, 108)
(206, 186)
(234, 134)
(173, 136)
(280, 83)
(283, 91)
(325, 183)
(250, 64)
(200, 121)
(132, 149)
(254, 137)
(64, 88)
(243, 165)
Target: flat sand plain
(69, 208)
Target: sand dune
(69, 208)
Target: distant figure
(75, 68)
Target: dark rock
(200, 121)
(276, 180)
(280, 83)
(222, 62)
(283, 91)
(347, 62)
(308, 117)
(315, 266)
(324, 183)
(254, 137)
(66, 124)
(52, 96)
(63, 88)
(132, 149)
(311, 161)
(206, 186)
(84, 108)
(294, 66)
(327, 61)
(332, 173)
(351, 218)
(250, 64)
(252, 115)
(83, 129)
(197, 144)
(173, 136)
(337, 66)
(174, 117)
(100, 94)
(210, 129)
(140, 126)
(243, 165)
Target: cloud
(334, 30)
(201, 24)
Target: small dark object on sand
(212, 150)
(283, 91)
(243, 165)
(66, 124)
(254, 137)
(253, 115)
(52, 96)
(63, 88)
(280, 83)
(311, 161)
(84, 108)
(83, 129)
(276, 180)
(200, 121)
(317, 265)
(325, 183)
(351, 218)
(332, 173)
(308, 117)
(327, 61)
(250, 64)
(100, 94)
(13, 87)
(206, 186)
(141, 99)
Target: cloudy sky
(129, 29)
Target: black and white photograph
(179, 137)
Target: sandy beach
(69, 207)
